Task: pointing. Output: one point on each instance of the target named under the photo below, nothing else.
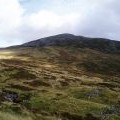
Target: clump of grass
(16, 73)
(13, 116)
(95, 94)
(23, 74)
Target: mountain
(64, 77)
(104, 45)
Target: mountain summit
(100, 44)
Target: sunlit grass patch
(13, 116)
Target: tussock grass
(59, 83)
(13, 116)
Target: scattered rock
(10, 96)
(110, 111)
(94, 93)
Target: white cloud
(45, 23)
(10, 19)
(10, 15)
(95, 18)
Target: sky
(25, 20)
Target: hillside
(104, 45)
(62, 77)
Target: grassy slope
(60, 82)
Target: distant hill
(100, 44)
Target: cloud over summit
(24, 20)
